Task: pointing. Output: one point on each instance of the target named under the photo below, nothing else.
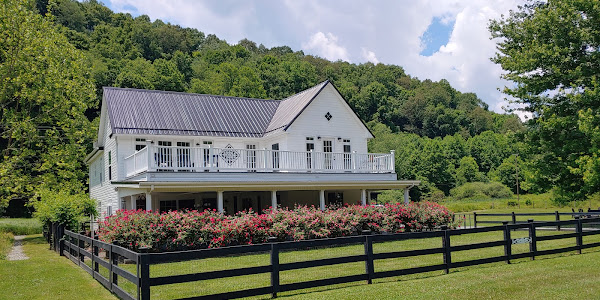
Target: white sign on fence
(525, 240)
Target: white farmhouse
(160, 150)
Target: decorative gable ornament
(328, 116)
(230, 155)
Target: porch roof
(270, 186)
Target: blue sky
(430, 39)
(437, 35)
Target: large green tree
(44, 93)
(550, 50)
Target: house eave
(279, 185)
(92, 156)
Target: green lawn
(20, 226)
(46, 275)
(570, 277)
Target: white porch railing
(196, 159)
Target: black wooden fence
(512, 217)
(77, 247)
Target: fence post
(145, 278)
(507, 242)
(533, 243)
(54, 242)
(514, 218)
(557, 220)
(579, 230)
(95, 252)
(475, 219)
(274, 269)
(60, 231)
(114, 261)
(80, 246)
(369, 267)
(447, 252)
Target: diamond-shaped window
(328, 116)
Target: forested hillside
(446, 126)
(441, 136)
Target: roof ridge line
(306, 90)
(183, 93)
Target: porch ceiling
(269, 186)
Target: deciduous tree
(550, 51)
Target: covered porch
(230, 198)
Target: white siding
(105, 192)
(343, 124)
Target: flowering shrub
(175, 230)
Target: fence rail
(79, 247)
(74, 247)
(477, 217)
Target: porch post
(393, 161)
(274, 199)
(406, 197)
(322, 199)
(363, 197)
(220, 201)
(132, 202)
(148, 201)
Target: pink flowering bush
(175, 230)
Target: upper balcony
(155, 158)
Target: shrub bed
(178, 230)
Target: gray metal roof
(133, 111)
(290, 108)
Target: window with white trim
(140, 144)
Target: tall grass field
(20, 226)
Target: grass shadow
(35, 239)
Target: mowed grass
(46, 275)
(569, 277)
(20, 226)
(392, 287)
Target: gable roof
(135, 111)
(291, 107)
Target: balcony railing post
(353, 161)
(210, 157)
(149, 145)
(265, 158)
(312, 160)
(393, 161)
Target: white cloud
(353, 30)
(369, 56)
(226, 20)
(326, 45)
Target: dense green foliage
(549, 49)
(480, 190)
(63, 208)
(45, 90)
